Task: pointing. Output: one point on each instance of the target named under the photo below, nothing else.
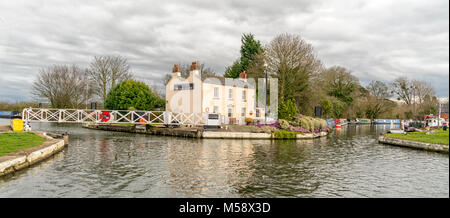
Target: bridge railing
(110, 116)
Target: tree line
(71, 86)
(304, 81)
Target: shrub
(316, 123)
(284, 124)
(132, 94)
(248, 120)
(316, 130)
(304, 123)
(299, 129)
(275, 124)
(287, 110)
(284, 134)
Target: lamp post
(439, 116)
(265, 94)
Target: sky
(374, 39)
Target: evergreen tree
(250, 48)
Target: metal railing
(110, 116)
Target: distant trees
(70, 86)
(402, 87)
(63, 85)
(378, 99)
(418, 96)
(106, 72)
(340, 83)
(133, 95)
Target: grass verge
(440, 137)
(13, 142)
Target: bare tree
(422, 90)
(378, 99)
(64, 86)
(107, 71)
(403, 88)
(292, 60)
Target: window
(230, 112)
(244, 96)
(230, 93)
(258, 113)
(243, 112)
(185, 86)
(216, 110)
(216, 92)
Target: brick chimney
(176, 70)
(243, 75)
(194, 69)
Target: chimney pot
(176, 68)
(243, 75)
(194, 66)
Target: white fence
(111, 116)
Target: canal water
(348, 163)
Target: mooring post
(66, 138)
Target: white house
(233, 99)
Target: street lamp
(265, 94)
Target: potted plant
(248, 120)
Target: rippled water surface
(349, 163)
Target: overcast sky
(376, 40)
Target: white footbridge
(112, 116)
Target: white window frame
(230, 93)
(216, 92)
(244, 96)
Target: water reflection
(348, 163)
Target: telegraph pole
(265, 95)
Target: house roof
(220, 80)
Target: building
(233, 99)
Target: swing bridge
(112, 116)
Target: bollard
(66, 138)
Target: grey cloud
(374, 39)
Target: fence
(111, 116)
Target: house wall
(201, 99)
(223, 102)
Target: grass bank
(440, 137)
(13, 142)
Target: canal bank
(384, 139)
(12, 162)
(348, 163)
(199, 132)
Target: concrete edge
(25, 159)
(197, 134)
(413, 144)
